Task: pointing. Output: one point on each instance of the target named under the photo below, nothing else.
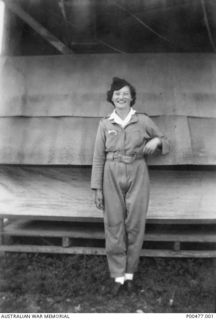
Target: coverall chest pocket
(112, 138)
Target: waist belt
(113, 156)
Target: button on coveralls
(125, 187)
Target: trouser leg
(137, 199)
(114, 217)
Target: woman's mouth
(122, 101)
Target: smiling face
(122, 98)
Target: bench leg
(65, 242)
(214, 280)
(1, 230)
(177, 245)
(1, 234)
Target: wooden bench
(51, 209)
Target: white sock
(120, 280)
(128, 276)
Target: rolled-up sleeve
(98, 158)
(154, 132)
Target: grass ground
(80, 284)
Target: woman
(121, 181)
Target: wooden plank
(36, 26)
(52, 229)
(64, 192)
(76, 85)
(70, 140)
(179, 254)
(67, 230)
(99, 219)
(53, 249)
(101, 251)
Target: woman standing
(121, 181)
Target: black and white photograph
(107, 158)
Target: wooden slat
(55, 229)
(53, 249)
(63, 140)
(76, 85)
(55, 192)
(101, 251)
(66, 230)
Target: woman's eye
(124, 94)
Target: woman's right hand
(99, 199)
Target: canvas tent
(58, 60)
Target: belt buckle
(127, 159)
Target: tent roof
(36, 27)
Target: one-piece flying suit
(120, 170)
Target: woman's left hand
(152, 145)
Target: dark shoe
(129, 285)
(116, 288)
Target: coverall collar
(131, 118)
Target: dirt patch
(80, 284)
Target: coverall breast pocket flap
(111, 138)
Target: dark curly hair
(117, 84)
